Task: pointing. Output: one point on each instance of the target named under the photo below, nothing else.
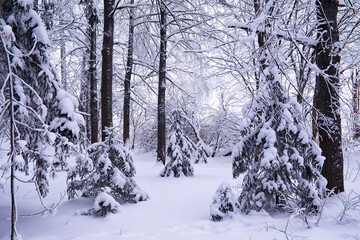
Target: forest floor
(178, 208)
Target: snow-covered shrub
(112, 167)
(282, 165)
(104, 204)
(179, 150)
(200, 155)
(224, 203)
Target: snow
(106, 200)
(40, 29)
(25, 3)
(178, 208)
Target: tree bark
(63, 63)
(161, 144)
(84, 105)
(327, 94)
(94, 112)
(128, 73)
(107, 67)
(355, 103)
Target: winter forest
(179, 119)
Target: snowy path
(178, 209)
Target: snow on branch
(279, 34)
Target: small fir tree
(224, 203)
(282, 165)
(107, 166)
(200, 154)
(104, 204)
(179, 150)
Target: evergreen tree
(107, 166)
(200, 155)
(224, 203)
(179, 150)
(41, 103)
(39, 111)
(282, 165)
(104, 204)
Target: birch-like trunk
(128, 73)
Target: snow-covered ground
(178, 209)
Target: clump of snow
(7, 34)
(25, 3)
(39, 27)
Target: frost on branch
(179, 150)
(282, 165)
(108, 165)
(224, 203)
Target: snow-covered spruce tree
(30, 98)
(224, 203)
(282, 165)
(200, 154)
(109, 166)
(179, 150)
(104, 204)
(41, 103)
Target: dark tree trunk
(261, 43)
(107, 67)
(355, 92)
(84, 105)
(128, 73)
(94, 113)
(63, 63)
(161, 144)
(13, 233)
(261, 39)
(327, 94)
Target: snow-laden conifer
(200, 154)
(280, 161)
(178, 150)
(108, 165)
(39, 100)
(104, 204)
(224, 203)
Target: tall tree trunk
(355, 92)
(84, 105)
(63, 64)
(94, 112)
(12, 154)
(107, 67)
(327, 94)
(129, 66)
(13, 212)
(13, 233)
(262, 38)
(161, 144)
